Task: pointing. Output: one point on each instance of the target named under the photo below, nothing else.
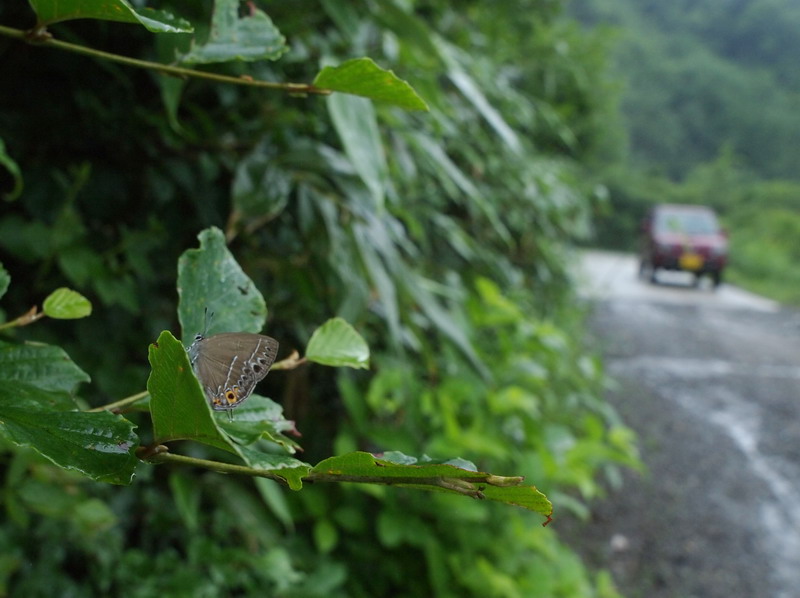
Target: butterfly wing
(229, 365)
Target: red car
(683, 237)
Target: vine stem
(121, 403)
(29, 317)
(471, 486)
(160, 456)
(39, 39)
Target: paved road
(710, 380)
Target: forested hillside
(709, 99)
(702, 76)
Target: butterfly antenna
(208, 316)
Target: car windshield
(690, 222)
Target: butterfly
(229, 365)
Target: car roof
(682, 207)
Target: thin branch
(469, 486)
(40, 39)
(218, 466)
(29, 317)
(289, 363)
(117, 405)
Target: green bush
(764, 251)
(439, 236)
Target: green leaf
(400, 470)
(66, 304)
(44, 366)
(472, 92)
(259, 419)
(290, 469)
(5, 280)
(326, 535)
(362, 77)
(336, 343)
(186, 494)
(399, 458)
(99, 445)
(257, 428)
(211, 278)
(93, 516)
(16, 174)
(53, 400)
(178, 407)
(378, 254)
(260, 189)
(357, 125)
(157, 21)
(249, 38)
(422, 290)
(276, 499)
(171, 89)
(160, 21)
(447, 171)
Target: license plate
(691, 261)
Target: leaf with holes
(248, 38)
(210, 278)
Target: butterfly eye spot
(257, 368)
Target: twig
(289, 363)
(469, 486)
(116, 405)
(29, 317)
(41, 38)
(158, 456)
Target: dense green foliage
(440, 236)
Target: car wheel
(716, 278)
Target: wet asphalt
(710, 381)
